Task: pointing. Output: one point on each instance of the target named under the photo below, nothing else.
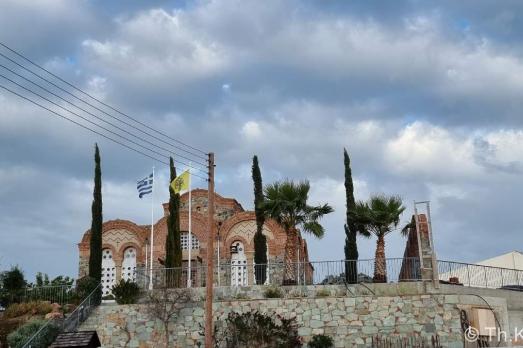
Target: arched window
(195, 243)
(108, 272)
(238, 265)
(129, 264)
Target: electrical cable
(97, 117)
(90, 129)
(99, 101)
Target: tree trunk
(351, 256)
(289, 277)
(298, 266)
(166, 328)
(380, 265)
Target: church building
(126, 244)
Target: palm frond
(379, 215)
(286, 202)
(314, 228)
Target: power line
(101, 119)
(79, 124)
(94, 131)
(95, 107)
(99, 101)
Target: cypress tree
(95, 251)
(351, 247)
(173, 243)
(260, 241)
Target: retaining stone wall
(351, 321)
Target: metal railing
(61, 294)
(480, 276)
(70, 323)
(282, 274)
(82, 311)
(334, 272)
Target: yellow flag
(181, 182)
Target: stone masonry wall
(351, 321)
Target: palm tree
(379, 216)
(286, 202)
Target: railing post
(486, 280)
(468, 273)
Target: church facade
(126, 245)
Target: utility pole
(210, 257)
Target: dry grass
(32, 308)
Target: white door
(238, 265)
(129, 264)
(108, 272)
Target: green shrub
(34, 308)
(126, 292)
(254, 329)
(323, 293)
(273, 292)
(84, 286)
(241, 296)
(19, 337)
(321, 341)
(13, 285)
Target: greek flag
(145, 186)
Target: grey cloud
(307, 79)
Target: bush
(241, 296)
(13, 285)
(321, 341)
(126, 292)
(323, 293)
(84, 287)
(19, 337)
(254, 329)
(34, 308)
(273, 292)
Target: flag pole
(152, 239)
(189, 275)
(146, 261)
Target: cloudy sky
(426, 96)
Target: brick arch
(275, 229)
(118, 224)
(249, 246)
(275, 234)
(116, 259)
(110, 247)
(199, 226)
(140, 258)
(199, 229)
